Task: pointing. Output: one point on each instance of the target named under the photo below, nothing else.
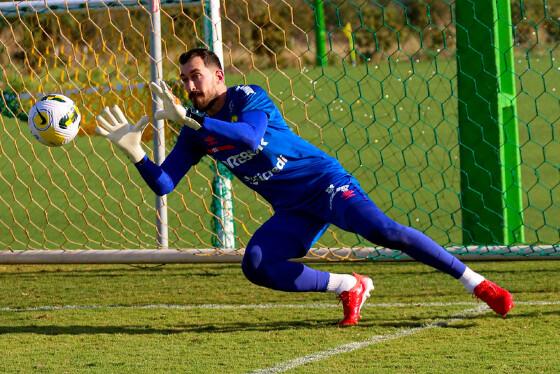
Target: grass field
(183, 318)
(393, 125)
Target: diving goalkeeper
(241, 127)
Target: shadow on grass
(535, 314)
(412, 325)
(85, 330)
(368, 325)
(486, 271)
(180, 329)
(108, 273)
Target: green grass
(393, 125)
(119, 336)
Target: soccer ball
(54, 120)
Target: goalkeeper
(241, 127)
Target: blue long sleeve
(163, 179)
(187, 152)
(247, 132)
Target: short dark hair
(209, 57)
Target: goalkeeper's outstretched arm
(161, 179)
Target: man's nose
(189, 86)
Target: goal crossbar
(19, 8)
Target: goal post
(491, 187)
(222, 199)
(377, 86)
(156, 74)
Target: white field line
(250, 306)
(376, 339)
(317, 356)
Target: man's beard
(196, 103)
(202, 106)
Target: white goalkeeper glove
(128, 137)
(173, 110)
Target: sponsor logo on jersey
(345, 192)
(213, 146)
(281, 161)
(243, 157)
(210, 140)
(227, 147)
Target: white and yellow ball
(54, 120)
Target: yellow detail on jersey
(42, 120)
(234, 118)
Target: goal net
(374, 84)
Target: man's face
(200, 81)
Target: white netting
(386, 109)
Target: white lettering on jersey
(246, 89)
(243, 157)
(281, 161)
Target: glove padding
(128, 137)
(173, 110)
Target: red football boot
(496, 297)
(354, 299)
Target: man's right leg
(290, 235)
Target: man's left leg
(352, 210)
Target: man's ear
(219, 74)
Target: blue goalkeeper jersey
(250, 137)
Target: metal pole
(20, 8)
(156, 73)
(514, 228)
(216, 28)
(222, 198)
(175, 256)
(320, 34)
(347, 30)
(491, 194)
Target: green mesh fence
(385, 97)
